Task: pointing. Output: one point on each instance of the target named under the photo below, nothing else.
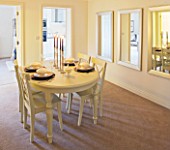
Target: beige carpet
(7, 76)
(129, 123)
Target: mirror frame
(111, 51)
(150, 70)
(129, 65)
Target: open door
(19, 46)
(56, 21)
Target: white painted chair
(34, 91)
(95, 91)
(35, 103)
(83, 57)
(19, 87)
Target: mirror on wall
(105, 35)
(129, 35)
(160, 39)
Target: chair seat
(40, 103)
(34, 91)
(85, 93)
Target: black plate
(81, 69)
(34, 77)
(30, 69)
(69, 64)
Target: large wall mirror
(105, 35)
(160, 40)
(129, 35)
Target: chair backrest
(83, 57)
(17, 76)
(100, 66)
(26, 89)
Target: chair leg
(90, 102)
(100, 106)
(20, 103)
(69, 102)
(60, 115)
(32, 128)
(81, 110)
(25, 116)
(21, 108)
(59, 95)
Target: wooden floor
(130, 122)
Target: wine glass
(51, 64)
(76, 63)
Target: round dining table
(65, 83)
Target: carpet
(129, 122)
(10, 65)
(6, 76)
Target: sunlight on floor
(10, 65)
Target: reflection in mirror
(105, 35)
(160, 25)
(130, 22)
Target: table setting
(43, 74)
(33, 67)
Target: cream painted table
(61, 83)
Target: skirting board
(144, 94)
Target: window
(58, 15)
(105, 35)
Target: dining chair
(166, 60)
(83, 57)
(156, 58)
(19, 87)
(35, 103)
(95, 91)
(34, 91)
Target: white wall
(140, 82)
(7, 13)
(33, 25)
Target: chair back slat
(83, 57)
(100, 66)
(26, 89)
(17, 75)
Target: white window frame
(99, 50)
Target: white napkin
(43, 71)
(84, 65)
(69, 60)
(36, 64)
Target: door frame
(41, 23)
(21, 5)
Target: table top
(63, 83)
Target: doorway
(10, 32)
(10, 41)
(56, 21)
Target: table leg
(95, 109)
(69, 102)
(49, 114)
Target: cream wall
(140, 82)
(33, 23)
